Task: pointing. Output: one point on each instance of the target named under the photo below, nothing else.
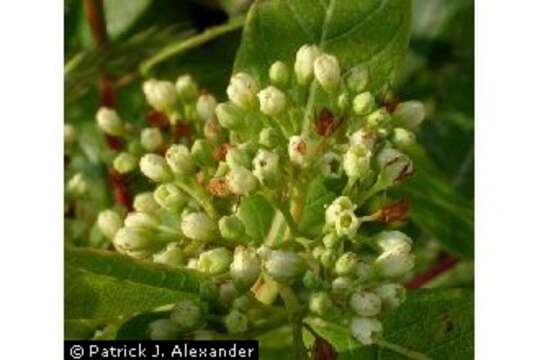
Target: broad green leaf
(263, 222)
(437, 323)
(375, 32)
(78, 330)
(321, 192)
(103, 284)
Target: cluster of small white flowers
(269, 139)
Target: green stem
(295, 313)
(187, 44)
(402, 351)
(197, 192)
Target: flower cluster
(274, 135)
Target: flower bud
(236, 157)
(346, 264)
(241, 181)
(344, 102)
(172, 255)
(364, 138)
(358, 78)
(155, 168)
(124, 163)
(164, 329)
(70, 134)
(206, 106)
(186, 88)
(230, 227)
(242, 90)
(366, 330)
(327, 72)
(272, 101)
(139, 219)
(394, 167)
(410, 113)
(180, 160)
(169, 197)
(320, 303)
(284, 266)
(347, 224)
(198, 226)
(356, 162)
(215, 261)
(403, 138)
(245, 268)
(363, 272)
(301, 150)
(77, 185)
(266, 167)
(363, 104)
(161, 95)
(193, 264)
(109, 222)
(331, 241)
(392, 295)
(144, 202)
(393, 264)
(201, 152)
(331, 165)
(137, 242)
(365, 303)
(269, 138)
(188, 314)
(394, 241)
(342, 285)
(303, 66)
(279, 74)
(229, 116)
(151, 139)
(236, 322)
(339, 205)
(378, 118)
(109, 122)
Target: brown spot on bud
(179, 131)
(157, 119)
(324, 123)
(212, 129)
(323, 350)
(114, 142)
(391, 105)
(405, 172)
(221, 151)
(120, 189)
(397, 211)
(301, 147)
(219, 187)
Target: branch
(447, 263)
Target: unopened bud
(144, 202)
(201, 152)
(266, 167)
(269, 138)
(180, 160)
(410, 114)
(394, 241)
(206, 106)
(109, 222)
(198, 226)
(161, 95)
(303, 66)
(331, 241)
(279, 74)
(236, 322)
(241, 181)
(320, 303)
(124, 163)
(77, 185)
(364, 138)
(342, 285)
(403, 138)
(229, 116)
(284, 266)
(109, 122)
(346, 264)
(242, 90)
(140, 219)
(365, 303)
(363, 103)
(378, 118)
(236, 157)
(272, 101)
(230, 227)
(394, 167)
(393, 264)
(164, 329)
(172, 255)
(151, 139)
(188, 314)
(186, 88)
(137, 242)
(169, 197)
(392, 295)
(366, 330)
(327, 72)
(155, 168)
(356, 162)
(363, 272)
(358, 78)
(245, 268)
(301, 150)
(215, 261)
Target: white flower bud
(393, 264)
(284, 266)
(366, 330)
(403, 138)
(193, 264)
(392, 295)
(320, 303)
(327, 72)
(137, 242)
(245, 267)
(144, 202)
(395, 167)
(237, 157)
(339, 205)
(331, 241)
(169, 197)
(172, 255)
(236, 322)
(124, 163)
(241, 181)
(164, 329)
(161, 95)
(331, 165)
(198, 226)
(77, 185)
(139, 219)
(301, 150)
(109, 122)
(206, 106)
(186, 88)
(109, 222)
(347, 224)
(215, 261)
(242, 90)
(229, 116)
(356, 162)
(269, 138)
(364, 138)
(155, 168)
(346, 264)
(279, 73)
(378, 118)
(151, 139)
(365, 303)
(410, 113)
(266, 167)
(342, 285)
(201, 152)
(394, 241)
(187, 314)
(230, 227)
(303, 66)
(180, 160)
(70, 134)
(363, 103)
(363, 272)
(272, 101)
(358, 78)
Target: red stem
(447, 263)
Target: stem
(187, 44)
(447, 263)
(295, 312)
(197, 192)
(402, 350)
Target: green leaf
(375, 32)
(136, 328)
(321, 192)
(437, 323)
(103, 284)
(78, 330)
(263, 222)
